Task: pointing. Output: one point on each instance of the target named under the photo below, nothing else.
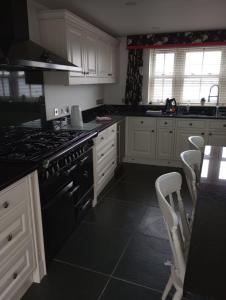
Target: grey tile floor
(119, 251)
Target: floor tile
(143, 262)
(136, 173)
(119, 290)
(152, 223)
(139, 193)
(69, 283)
(94, 247)
(117, 214)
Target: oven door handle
(86, 204)
(74, 190)
(68, 172)
(83, 160)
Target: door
(75, 50)
(104, 59)
(165, 143)
(91, 56)
(141, 143)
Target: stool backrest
(196, 142)
(167, 185)
(191, 161)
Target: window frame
(179, 76)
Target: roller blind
(187, 74)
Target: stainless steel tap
(215, 96)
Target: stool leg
(178, 295)
(168, 287)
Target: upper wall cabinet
(82, 44)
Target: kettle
(171, 105)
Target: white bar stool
(196, 142)
(166, 186)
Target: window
(187, 74)
(4, 84)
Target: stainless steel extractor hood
(17, 51)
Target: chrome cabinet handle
(165, 123)
(102, 138)
(170, 131)
(141, 122)
(74, 190)
(190, 124)
(210, 133)
(15, 275)
(152, 130)
(203, 133)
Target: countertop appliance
(65, 176)
(18, 52)
(171, 105)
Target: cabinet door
(182, 140)
(75, 49)
(91, 56)
(141, 143)
(217, 139)
(165, 143)
(104, 59)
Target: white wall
(60, 95)
(115, 93)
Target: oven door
(58, 220)
(85, 173)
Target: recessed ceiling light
(130, 3)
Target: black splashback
(21, 97)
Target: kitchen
(85, 132)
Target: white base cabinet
(83, 44)
(159, 141)
(22, 258)
(104, 159)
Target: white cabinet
(22, 259)
(159, 141)
(165, 139)
(86, 46)
(141, 138)
(104, 159)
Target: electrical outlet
(64, 110)
(56, 111)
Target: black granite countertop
(13, 171)
(196, 112)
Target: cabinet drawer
(213, 124)
(191, 123)
(14, 195)
(14, 229)
(103, 152)
(16, 271)
(106, 169)
(142, 123)
(106, 134)
(166, 122)
(105, 162)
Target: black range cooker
(65, 176)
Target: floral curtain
(177, 39)
(134, 77)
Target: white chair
(166, 186)
(191, 161)
(196, 142)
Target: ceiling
(125, 17)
